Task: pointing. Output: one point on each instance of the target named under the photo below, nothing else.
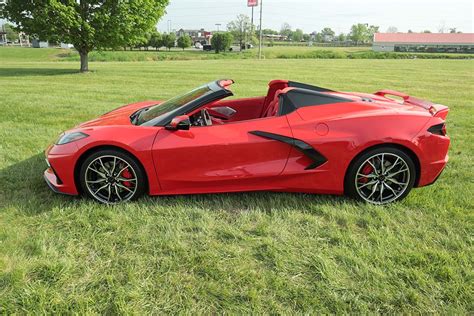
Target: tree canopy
(184, 41)
(363, 33)
(155, 40)
(87, 24)
(297, 35)
(169, 40)
(221, 41)
(285, 29)
(11, 33)
(240, 28)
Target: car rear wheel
(111, 176)
(381, 176)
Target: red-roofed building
(424, 42)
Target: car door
(220, 157)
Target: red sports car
(297, 138)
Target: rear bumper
(432, 172)
(434, 158)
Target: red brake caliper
(127, 175)
(366, 170)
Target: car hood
(119, 116)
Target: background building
(197, 36)
(424, 42)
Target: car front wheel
(381, 176)
(112, 176)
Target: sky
(314, 15)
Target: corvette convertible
(297, 138)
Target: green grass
(240, 253)
(276, 52)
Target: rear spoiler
(437, 110)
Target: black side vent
(300, 145)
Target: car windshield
(171, 105)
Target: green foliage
(342, 37)
(286, 29)
(12, 33)
(156, 40)
(221, 41)
(169, 40)
(327, 34)
(297, 35)
(87, 24)
(142, 41)
(319, 38)
(240, 28)
(270, 32)
(246, 253)
(184, 41)
(363, 33)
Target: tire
(366, 180)
(112, 176)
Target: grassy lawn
(242, 253)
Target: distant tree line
(157, 40)
(359, 34)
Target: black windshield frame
(216, 92)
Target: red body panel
(227, 157)
(221, 157)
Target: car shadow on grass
(24, 189)
(28, 72)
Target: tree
(318, 37)
(12, 34)
(240, 28)
(426, 31)
(269, 32)
(371, 31)
(297, 35)
(359, 33)
(155, 40)
(221, 41)
(327, 34)
(363, 33)
(142, 41)
(452, 30)
(341, 37)
(286, 30)
(410, 31)
(392, 29)
(184, 41)
(169, 40)
(87, 24)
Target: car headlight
(70, 137)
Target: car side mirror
(181, 122)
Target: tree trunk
(84, 61)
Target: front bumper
(53, 182)
(60, 172)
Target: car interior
(235, 110)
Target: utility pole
(261, 32)
(252, 21)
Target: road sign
(252, 3)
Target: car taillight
(438, 129)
